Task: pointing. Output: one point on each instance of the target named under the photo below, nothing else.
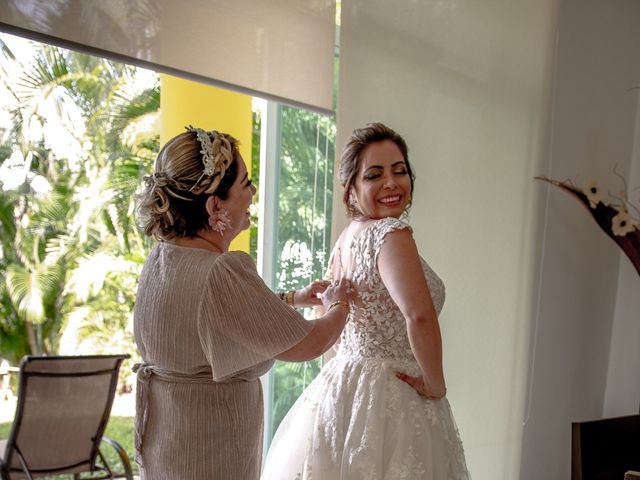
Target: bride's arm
(401, 272)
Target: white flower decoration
(621, 224)
(592, 191)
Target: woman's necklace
(218, 249)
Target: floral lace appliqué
(376, 327)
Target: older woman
(205, 323)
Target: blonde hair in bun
(173, 202)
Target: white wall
(622, 396)
(541, 322)
(592, 132)
(468, 85)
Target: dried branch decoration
(613, 218)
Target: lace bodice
(376, 328)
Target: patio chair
(63, 407)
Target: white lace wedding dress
(357, 420)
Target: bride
(377, 410)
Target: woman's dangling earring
(405, 214)
(219, 221)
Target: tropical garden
(77, 134)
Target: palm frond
(128, 106)
(25, 293)
(49, 67)
(6, 51)
(7, 218)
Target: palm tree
(74, 207)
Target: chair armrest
(124, 458)
(631, 475)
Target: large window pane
(304, 229)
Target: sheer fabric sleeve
(242, 322)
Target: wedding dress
(357, 420)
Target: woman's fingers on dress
(344, 284)
(414, 382)
(314, 300)
(320, 286)
(343, 288)
(337, 291)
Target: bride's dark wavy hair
(351, 158)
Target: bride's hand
(308, 296)
(420, 386)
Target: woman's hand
(308, 296)
(420, 386)
(337, 292)
(327, 328)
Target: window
(95, 169)
(296, 179)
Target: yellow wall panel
(184, 102)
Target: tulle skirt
(358, 421)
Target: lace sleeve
(366, 247)
(379, 231)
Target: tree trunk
(33, 341)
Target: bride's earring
(219, 221)
(405, 213)
(353, 204)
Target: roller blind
(278, 49)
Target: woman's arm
(326, 329)
(308, 296)
(319, 311)
(401, 272)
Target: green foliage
(304, 228)
(121, 429)
(255, 178)
(290, 381)
(306, 181)
(70, 251)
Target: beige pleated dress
(206, 327)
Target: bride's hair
(173, 202)
(351, 158)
